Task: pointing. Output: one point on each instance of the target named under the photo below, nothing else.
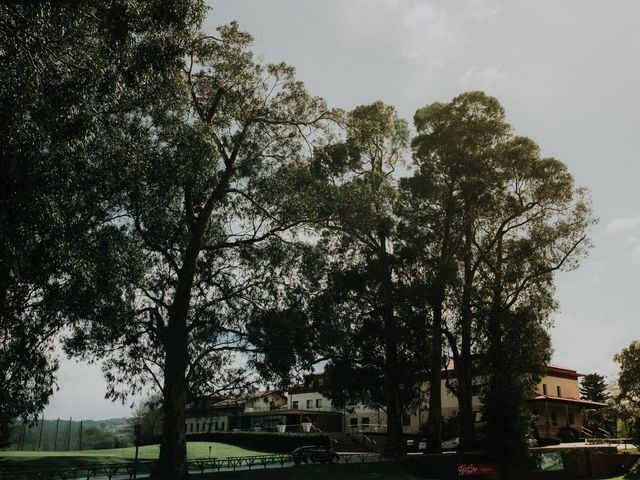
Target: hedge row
(270, 441)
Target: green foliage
(627, 401)
(486, 221)
(361, 316)
(629, 378)
(594, 387)
(64, 70)
(146, 424)
(569, 434)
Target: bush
(547, 441)
(568, 434)
(270, 441)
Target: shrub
(568, 434)
(547, 441)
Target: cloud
(490, 74)
(428, 29)
(622, 224)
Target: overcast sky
(568, 75)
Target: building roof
(571, 401)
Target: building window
(406, 419)
(544, 388)
(558, 390)
(365, 423)
(554, 419)
(266, 400)
(295, 404)
(572, 419)
(318, 403)
(221, 425)
(353, 423)
(215, 425)
(191, 427)
(197, 427)
(309, 404)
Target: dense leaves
(594, 387)
(627, 400)
(64, 70)
(487, 221)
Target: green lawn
(149, 452)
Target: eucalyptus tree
(365, 325)
(508, 219)
(64, 70)
(204, 185)
(627, 399)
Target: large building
(556, 403)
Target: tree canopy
(64, 70)
(593, 386)
(197, 220)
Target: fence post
(40, 438)
(136, 435)
(69, 436)
(55, 435)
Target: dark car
(313, 455)
(415, 445)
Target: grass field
(148, 452)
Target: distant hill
(64, 435)
(108, 424)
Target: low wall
(579, 462)
(584, 462)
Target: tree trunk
(394, 444)
(465, 404)
(464, 372)
(434, 418)
(172, 462)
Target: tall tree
(362, 302)
(593, 387)
(512, 218)
(64, 69)
(430, 216)
(627, 399)
(203, 183)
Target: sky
(568, 75)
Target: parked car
(451, 444)
(414, 445)
(314, 454)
